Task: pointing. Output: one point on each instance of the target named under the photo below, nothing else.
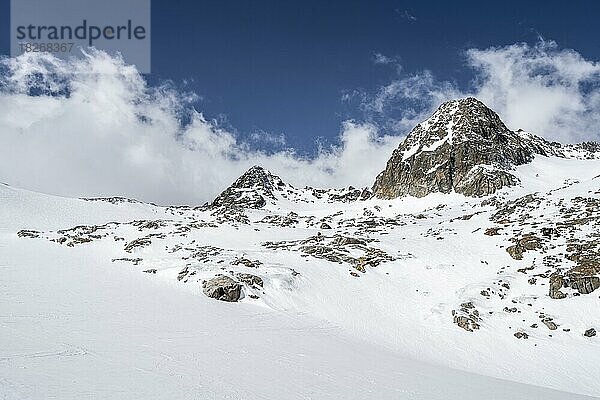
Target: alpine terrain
(469, 270)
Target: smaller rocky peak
(258, 178)
(251, 189)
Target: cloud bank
(93, 127)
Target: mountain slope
(76, 325)
(335, 292)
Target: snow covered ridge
(504, 284)
(257, 187)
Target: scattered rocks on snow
(140, 242)
(28, 233)
(521, 335)
(527, 242)
(135, 261)
(467, 317)
(246, 262)
(468, 324)
(112, 200)
(250, 280)
(550, 324)
(289, 220)
(338, 249)
(183, 273)
(149, 224)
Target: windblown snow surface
(83, 321)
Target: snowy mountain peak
(459, 120)
(463, 147)
(251, 189)
(258, 178)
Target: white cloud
(379, 58)
(541, 89)
(94, 128)
(414, 96)
(551, 92)
(262, 137)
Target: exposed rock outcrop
(340, 249)
(527, 242)
(251, 190)
(140, 242)
(556, 284)
(590, 332)
(222, 288)
(463, 147)
(467, 317)
(521, 335)
(583, 280)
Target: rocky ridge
(465, 148)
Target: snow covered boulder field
(470, 270)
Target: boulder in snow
(222, 288)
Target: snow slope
(77, 322)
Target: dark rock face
(582, 279)
(590, 332)
(222, 288)
(585, 284)
(251, 190)
(464, 147)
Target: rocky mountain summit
(465, 148)
(251, 190)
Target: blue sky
(283, 66)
